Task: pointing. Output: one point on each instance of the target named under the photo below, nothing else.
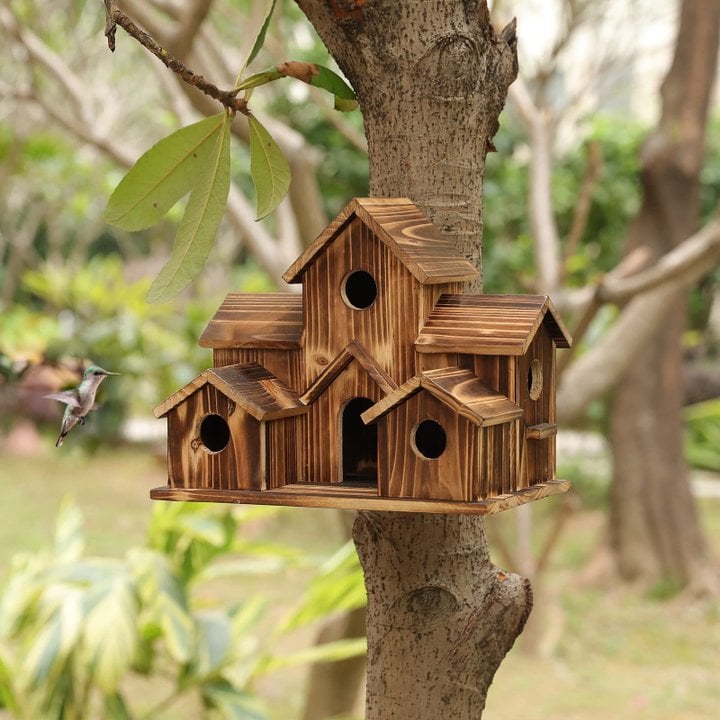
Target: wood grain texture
(324, 419)
(286, 365)
(251, 386)
(386, 329)
(405, 231)
(256, 320)
(190, 463)
(353, 498)
(459, 389)
(353, 351)
(489, 324)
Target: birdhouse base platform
(345, 496)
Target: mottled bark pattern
(431, 78)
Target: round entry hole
(214, 433)
(429, 439)
(359, 290)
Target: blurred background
(113, 607)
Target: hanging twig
(115, 17)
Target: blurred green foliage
(75, 629)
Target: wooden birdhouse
(381, 386)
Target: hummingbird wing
(69, 397)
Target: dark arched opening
(359, 444)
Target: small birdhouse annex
(380, 387)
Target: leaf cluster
(74, 628)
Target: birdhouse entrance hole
(214, 433)
(359, 444)
(359, 290)
(429, 439)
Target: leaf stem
(114, 17)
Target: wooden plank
(286, 365)
(256, 320)
(345, 498)
(541, 432)
(489, 324)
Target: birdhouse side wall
(500, 372)
(404, 473)
(387, 327)
(284, 364)
(539, 456)
(239, 465)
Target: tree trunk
(431, 79)
(654, 526)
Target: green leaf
(110, 634)
(116, 708)
(162, 595)
(213, 643)
(260, 40)
(269, 169)
(345, 99)
(165, 173)
(232, 704)
(338, 586)
(324, 653)
(261, 78)
(56, 639)
(199, 225)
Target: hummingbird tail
(60, 439)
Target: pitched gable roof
(489, 324)
(354, 350)
(458, 388)
(257, 320)
(250, 385)
(409, 235)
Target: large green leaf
(199, 225)
(338, 586)
(63, 622)
(231, 703)
(165, 173)
(269, 169)
(162, 595)
(323, 653)
(110, 634)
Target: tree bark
(654, 527)
(431, 79)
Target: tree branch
(596, 372)
(192, 20)
(115, 17)
(544, 228)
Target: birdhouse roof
(489, 324)
(458, 388)
(258, 320)
(408, 234)
(250, 385)
(354, 350)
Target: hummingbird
(79, 400)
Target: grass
(617, 652)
